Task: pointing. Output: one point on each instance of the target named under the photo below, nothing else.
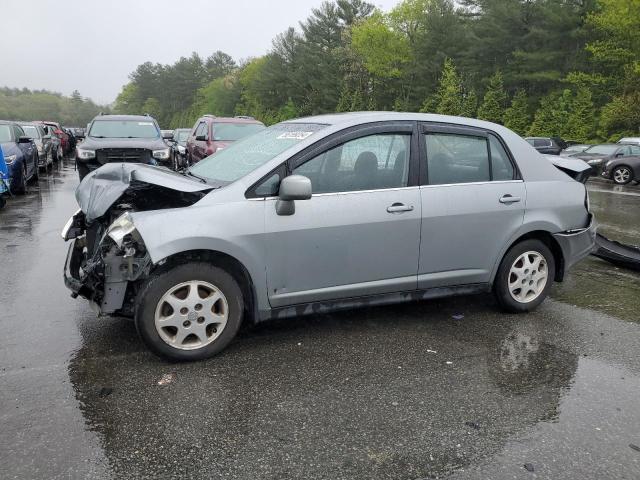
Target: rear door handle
(509, 199)
(399, 208)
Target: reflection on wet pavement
(401, 392)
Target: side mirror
(201, 138)
(25, 139)
(293, 187)
(168, 136)
(619, 154)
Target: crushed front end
(104, 263)
(107, 260)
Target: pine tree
(551, 118)
(448, 99)
(581, 121)
(470, 104)
(516, 117)
(495, 99)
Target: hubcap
(528, 277)
(191, 315)
(622, 175)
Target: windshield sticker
(294, 135)
(145, 123)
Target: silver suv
(325, 213)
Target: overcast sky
(93, 45)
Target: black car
(599, 155)
(547, 145)
(623, 169)
(122, 138)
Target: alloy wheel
(528, 277)
(622, 175)
(191, 315)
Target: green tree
(469, 104)
(551, 118)
(495, 98)
(580, 124)
(517, 117)
(448, 98)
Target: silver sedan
(325, 213)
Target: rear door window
(456, 158)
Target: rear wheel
(190, 312)
(525, 276)
(622, 175)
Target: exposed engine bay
(108, 257)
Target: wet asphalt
(449, 388)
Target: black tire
(36, 170)
(501, 283)
(619, 169)
(160, 283)
(83, 170)
(20, 188)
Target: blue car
(20, 155)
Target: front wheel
(622, 175)
(525, 276)
(20, 188)
(190, 312)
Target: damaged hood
(103, 187)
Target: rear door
(473, 202)
(359, 233)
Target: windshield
(230, 132)
(244, 156)
(181, 136)
(602, 149)
(31, 131)
(124, 129)
(5, 133)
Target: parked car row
(619, 162)
(139, 139)
(29, 148)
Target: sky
(93, 45)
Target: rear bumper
(577, 244)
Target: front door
(473, 202)
(359, 233)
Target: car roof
(141, 118)
(231, 119)
(7, 122)
(357, 118)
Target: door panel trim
(496, 182)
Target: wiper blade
(191, 174)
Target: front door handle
(509, 199)
(399, 208)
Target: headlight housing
(120, 228)
(10, 159)
(163, 154)
(181, 150)
(83, 154)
